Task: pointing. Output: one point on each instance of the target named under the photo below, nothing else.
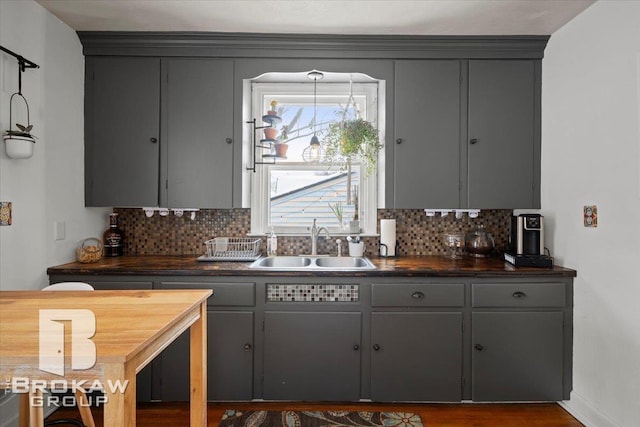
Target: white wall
(49, 186)
(590, 146)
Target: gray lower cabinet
(519, 341)
(402, 339)
(312, 356)
(230, 342)
(416, 356)
(229, 360)
(517, 356)
(417, 340)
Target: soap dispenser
(272, 243)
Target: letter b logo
(83, 350)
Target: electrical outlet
(5, 213)
(591, 216)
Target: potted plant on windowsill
(280, 146)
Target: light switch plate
(59, 230)
(5, 213)
(591, 216)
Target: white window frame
(261, 94)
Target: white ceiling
(400, 17)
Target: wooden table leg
(23, 419)
(36, 410)
(120, 407)
(198, 369)
(85, 409)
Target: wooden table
(132, 328)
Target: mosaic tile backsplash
(416, 233)
(312, 293)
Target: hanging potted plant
(19, 142)
(352, 140)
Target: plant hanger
(20, 141)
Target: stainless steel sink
(343, 262)
(303, 263)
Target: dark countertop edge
(542, 272)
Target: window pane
(299, 196)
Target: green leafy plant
(337, 210)
(354, 140)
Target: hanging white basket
(19, 143)
(19, 147)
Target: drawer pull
(376, 347)
(247, 347)
(356, 347)
(519, 294)
(417, 295)
(479, 347)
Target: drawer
(229, 294)
(119, 285)
(518, 294)
(417, 295)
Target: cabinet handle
(153, 140)
(399, 141)
(229, 140)
(519, 294)
(376, 347)
(247, 347)
(356, 347)
(473, 141)
(417, 295)
(479, 347)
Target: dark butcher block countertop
(410, 266)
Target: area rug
(232, 418)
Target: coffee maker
(526, 242)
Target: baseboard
(585, 412)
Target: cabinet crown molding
(258, 45)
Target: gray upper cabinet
(503, 134)
(467, 134)
(122, 104)
(197, 124)
(159, 132)
(427, 134)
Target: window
(290, 193)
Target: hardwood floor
(448, 415)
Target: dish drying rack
(231, 249)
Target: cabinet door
(229, 359)
(517, 356)
(122, 114)
(416, 356)
(427, 129)
(312, 356)
(502, 134)
(198, 127)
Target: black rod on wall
(23, 64)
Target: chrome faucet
(315, 232)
